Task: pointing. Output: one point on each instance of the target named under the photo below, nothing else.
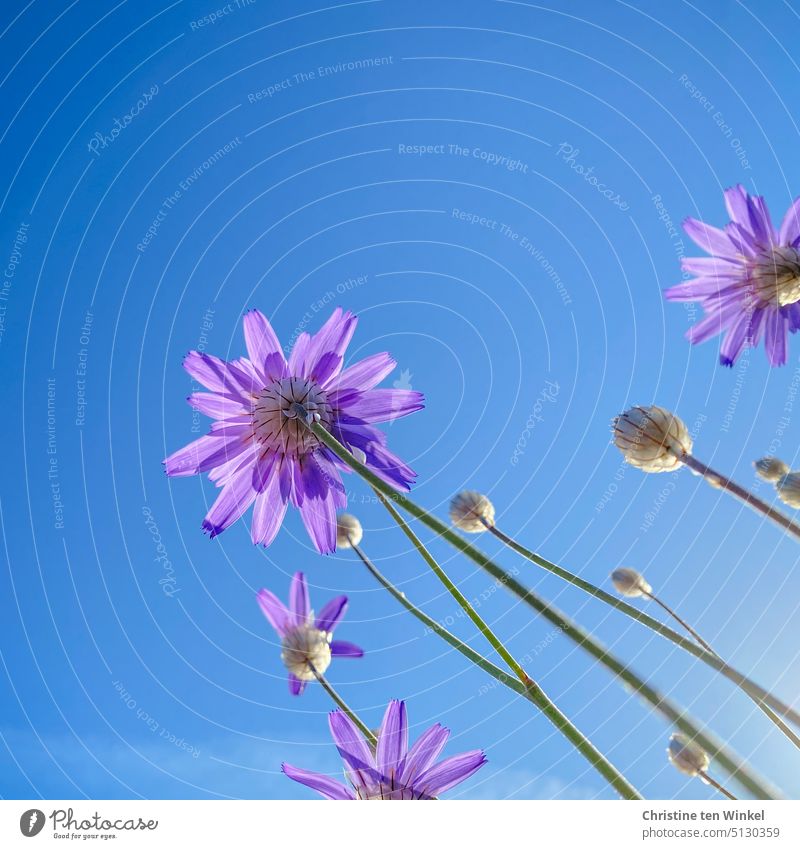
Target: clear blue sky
(244, 176)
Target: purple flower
(305, 639)
(749, 287)
(259, 451)
(393, 771)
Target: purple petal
(340, 648)
(449, 772)
(319, 493)
(353, 749)
(331, 613)
(275, 610)
(377, 405)
(775, 337)
(216, 406)
(736, 339)
(327, 346)
(262, 343)
(388, 466)
(218, 376)
(299, 602)
(710, 239)
(720, 316)
(737, 205)
(701, 288)
(296, 686)
(204, 454)
(392, 740)
(236, 496)
(424, 752)
(296, 365)
(790, 226)
(271, 503)
(365, 374)
(322, 784)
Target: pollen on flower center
(276, 424)
(306, 644)
(775, 275)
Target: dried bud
(789, 489)
(348, 531)
(686, 756)
(771, 468)
(471, 512)
(629, 582)
(652, 439)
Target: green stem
(624, 606)
(745, 496)
(460, 598)
(664, 606)
(531, 692)
(345, 708)
(717, 786)
(524, 594)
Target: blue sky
(424, 165)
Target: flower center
(389, 792)
(775, 275)
(305, 644)
(277, 422)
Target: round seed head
(348, 531)
(629, 582)
(788, 488)
(652, 438)
(771, 468)
(686, 756)
(471, 512)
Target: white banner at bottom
(616, 825)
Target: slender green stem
(620, 605)
(745, 496)
(454, 591)
(727, 759)
(524, 594)
(685, 625)
(717, 786)
(345, 708)
(531, 691)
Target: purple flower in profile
(749, 287)
(260, 451)
(392, 771)
(305, 639)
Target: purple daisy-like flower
(392, 771)
(306, 639)
(260, 452)
(749, 287)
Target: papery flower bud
(771, 468)
(652, 438)
(629, 582)
(348, 531)
(789, 489)
(471, 512)
(686, 755)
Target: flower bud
(471, 512)
(629, 582)
(348, 531)
(686, 756)
(652, 438)
(771, 468)
(789, 489)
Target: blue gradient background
(317, 192)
